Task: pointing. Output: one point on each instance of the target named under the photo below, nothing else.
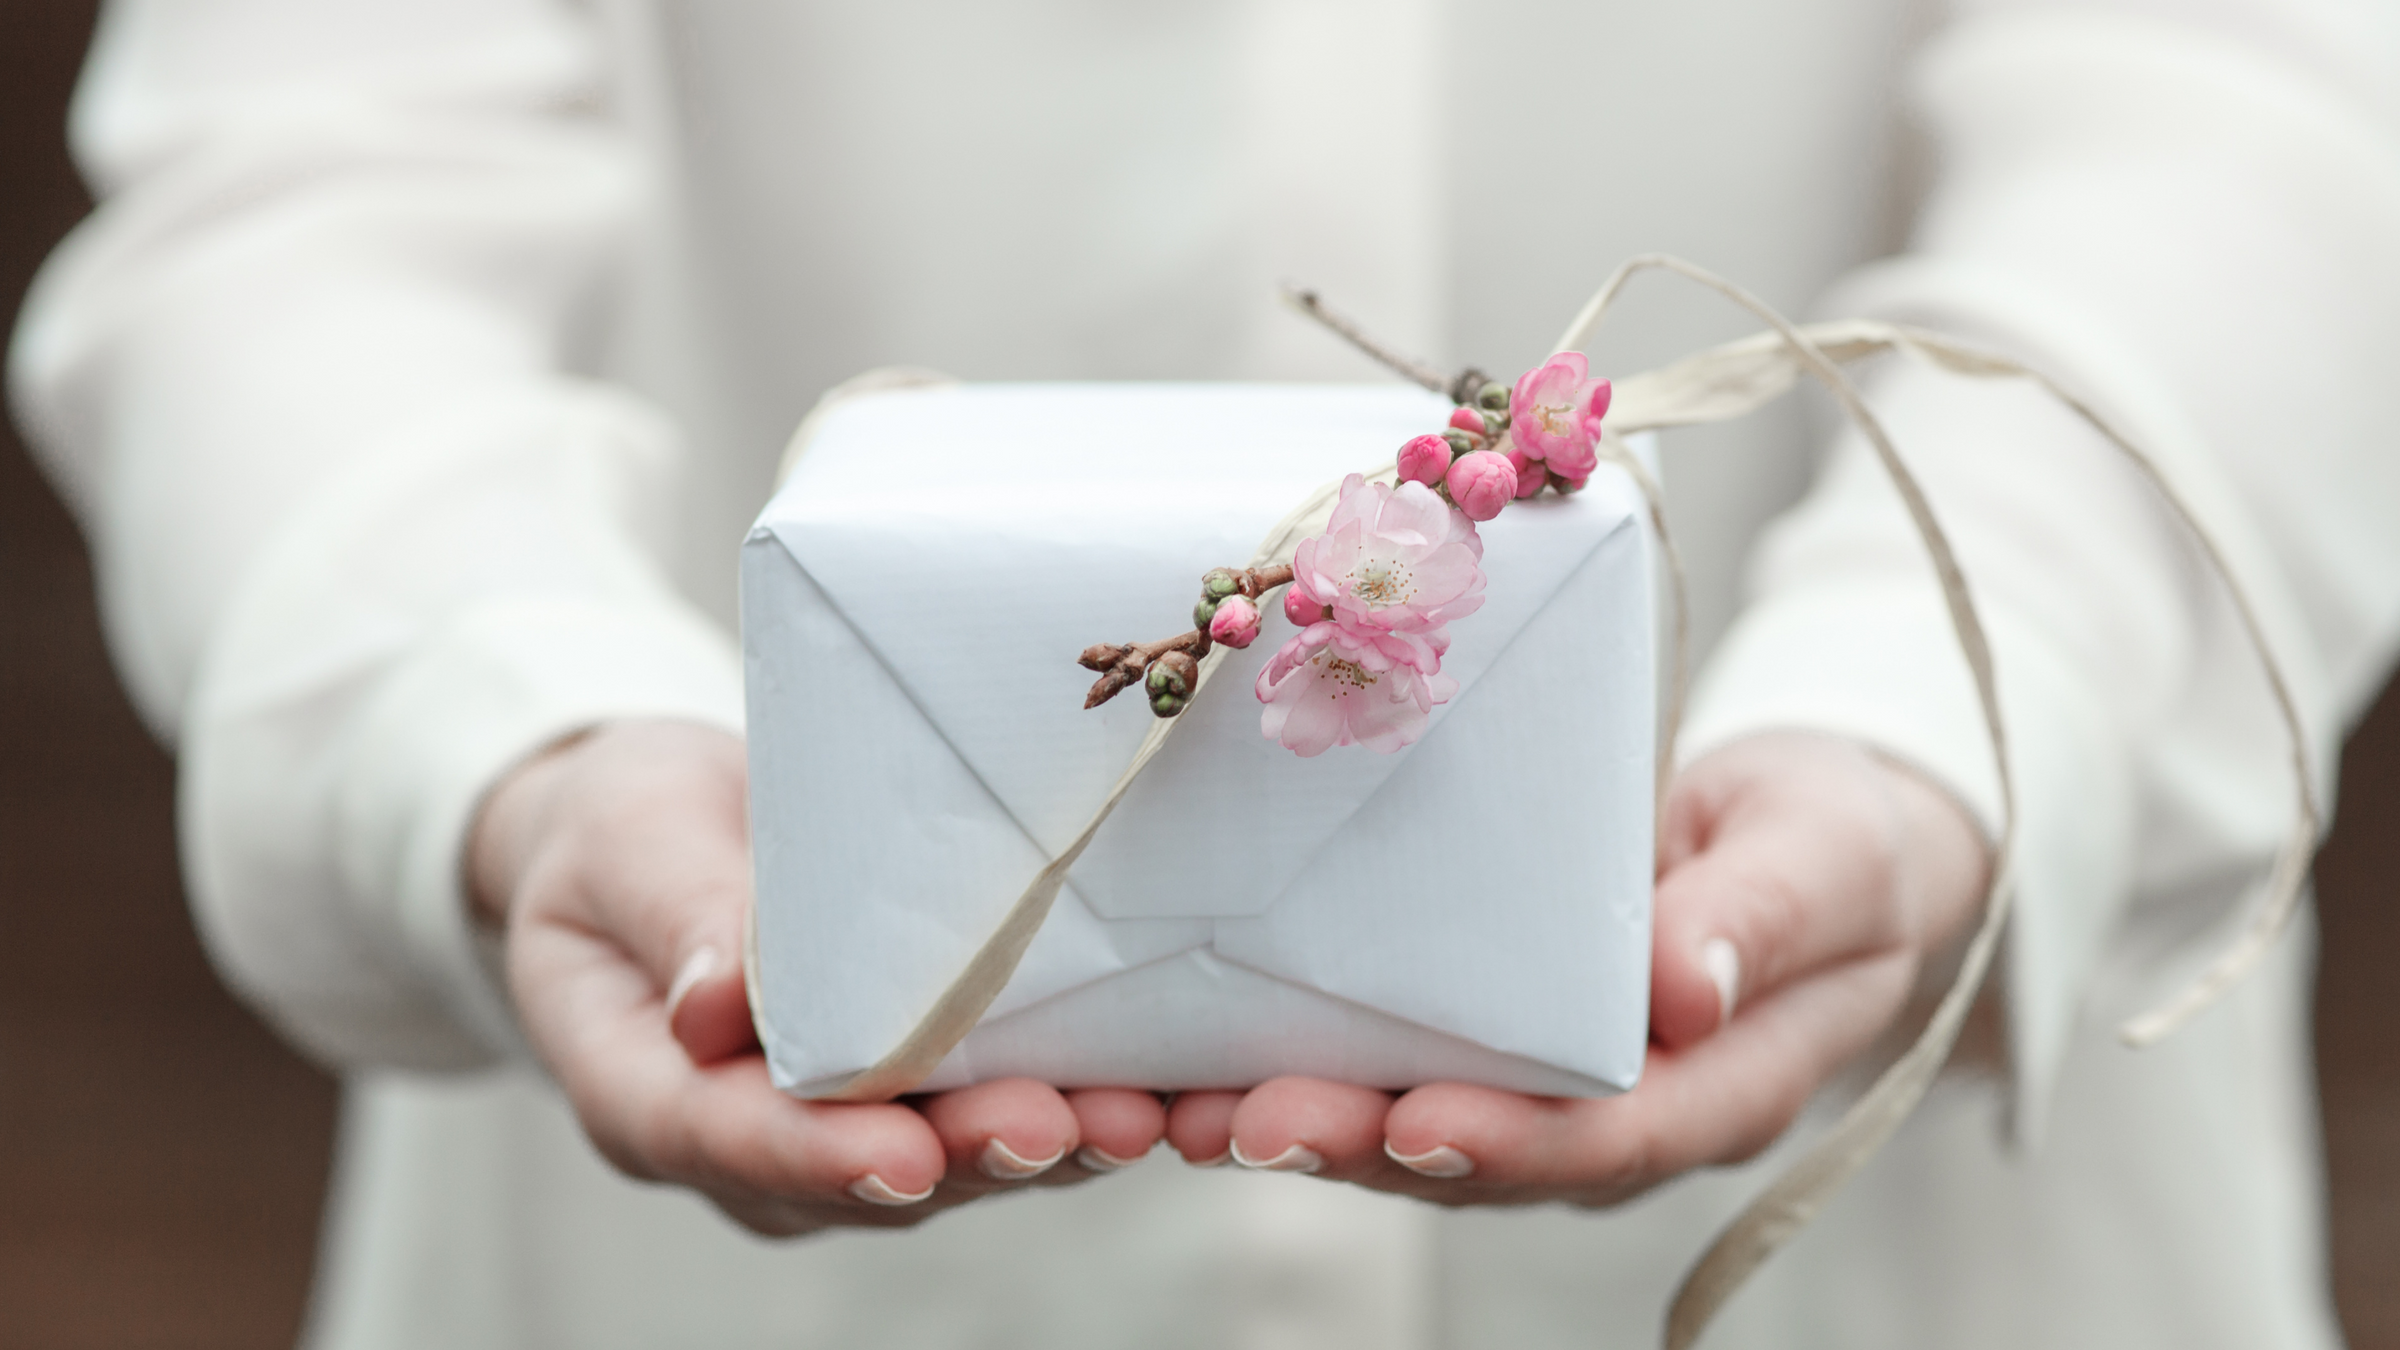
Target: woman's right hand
(617, 864)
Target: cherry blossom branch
(1170, 666)
(1487, 457)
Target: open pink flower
(1555, 411)
(1392, 560)
(1331, 685)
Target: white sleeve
(363, 540)
(2195, 222)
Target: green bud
(1173, 675)
(1203, 612)
(1460, 442)
(1219, 583)
(1493, 397)
(1166, 705)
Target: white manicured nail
(876, 1191)
(1002, 1163)
(1724, 967)
(1297, 1158)
(696, 967)
(1093, 1160)
(1218, 1161)
(1439, 1161)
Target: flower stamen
(1382, 585)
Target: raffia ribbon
(1717, 385)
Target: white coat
(424, 362)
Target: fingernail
(1724, 967)
(876, 1191)
(1002, 1163)
(1218, 1161)
(696, 967)
(1297, 1158)
(1093, 1160)
(1439, 1161)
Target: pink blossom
(1302, 609)
(1392, 560)
(1424, 460)
(1468, 420)
(1235, 623)
(1331, 685)
(1531, 476)
(1482, 483)
(1555, 412)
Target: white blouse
(425, 361)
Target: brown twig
(1311, 304)
(1462, 388)
(1257, 581)
(1122, 665)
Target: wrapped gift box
(1474, 907)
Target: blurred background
(162, 1156)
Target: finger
(1118, 1127)
(1720, 1101)
(721, 1128)
(1786, 883)
(1002, 1133)
(1200, 1126)
(661, 864)
(1309, 1125)
(824, 1162)
(708, 1006)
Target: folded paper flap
(832, 732)
(1028, 520)
(1248, 1025)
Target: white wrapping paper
(1473, 908)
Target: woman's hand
(618, 865)
(1807, 888)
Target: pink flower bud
(1467, 419)
(1236, 622)
(1424, 460)
(1482, 483)
(1530, 473)
(1304, 609)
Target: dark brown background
(162, 1157)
